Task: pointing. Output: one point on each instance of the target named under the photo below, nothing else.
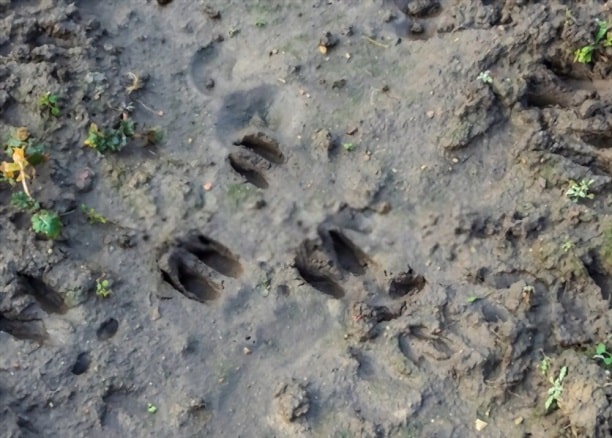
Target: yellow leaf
(93, 132)
(19, 158)
(9, 169)
(16, 169)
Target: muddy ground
(356, 223)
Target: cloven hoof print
(320, 218)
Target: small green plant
(603, 38)
(48, 104)
(603, 354)
(473, 299)
(33, 151)
(555, 391)
(110, 140)
(567, 245)
(260, 22)
(25, 153)
(103, 288)
(47, 223)
(578, 190)
(584, 55)
(23, 202)
(348, 146)
(264, 286)
(92, 215)
(151, 408)
(485, 77)
(544, 366)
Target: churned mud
(356, 223)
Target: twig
(376, 43)
(158, 113)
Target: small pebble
(480, 425)
(384, 208)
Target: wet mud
(359, 220)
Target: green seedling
(48, 104)
(151, 408)
(584, 55)
(578, 190)
(567, 245)
(544, 365)
(485, 77)
(22, 201)
(555, 391)
(25, 154)
(260, 22)
(473, 299)
(92, 215)
(103, 288)
(110, 140)
(603, 39)
(603, 35)
(264, 286)
(47, 223)
(349, 146)
(603, 354)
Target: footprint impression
(29, 322)
(194, 264)
(256, 155)
(326, 263)
(209, 70)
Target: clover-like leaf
(47, 223)
(23, 202)
(601, 349)
(602, 30)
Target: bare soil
(344, 232)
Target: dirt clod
(84, 180)
(293, 401)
